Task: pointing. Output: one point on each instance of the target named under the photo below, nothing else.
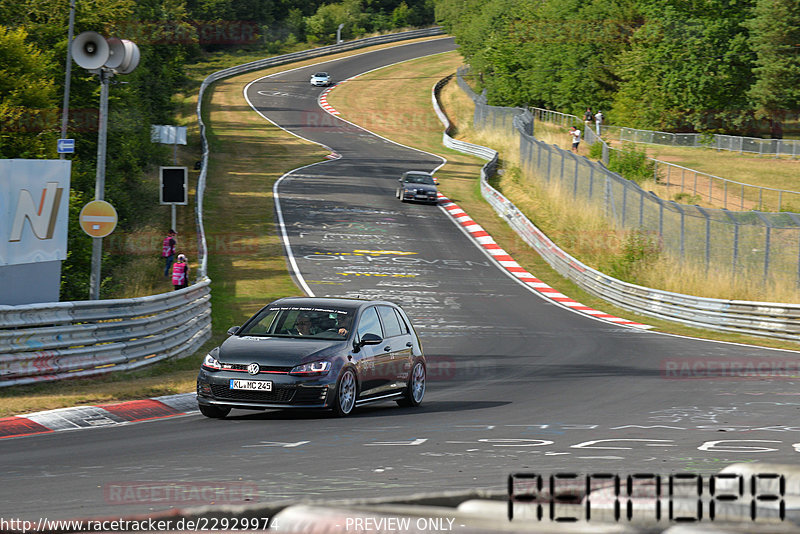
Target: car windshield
(419, 179)
(321, 75)
(307, 322)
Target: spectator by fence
(751, 244)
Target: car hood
(278, 351)
(423, 187)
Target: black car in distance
(418, 186)
(306, 352)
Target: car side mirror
(232, 330)
(370, 339)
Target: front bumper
(287, 391)
(420, 196)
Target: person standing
(576, 138)
(168, 251)
(588, 117)
(180, 273)
(598, 121)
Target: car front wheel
(215, 412)
(346, 393)
(415, 390)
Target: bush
(687, 198)
(639, 249)
(596, 151)
(632, 163)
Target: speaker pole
(100, 182)
(68, 76)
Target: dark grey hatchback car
(304, 352)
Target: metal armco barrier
(42, 342)
(767, 319)
(58, 340)
(271, 62)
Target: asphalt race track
(516, 383)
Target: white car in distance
(321, 79)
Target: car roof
(329, 302)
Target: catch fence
(751, 244)
(695, 185)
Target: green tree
(322, 25)
(545, 53)
(687, 69)
(401, 15)
(28, 110)
(775, 38)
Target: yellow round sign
(98, 218)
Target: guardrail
(767, 319)
(271, 62)
(52, 341)
(741, 243)
(58, 340)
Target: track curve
(516, 382)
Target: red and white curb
(505, 260)
(323, 100)
(501, 256)
(99, 416)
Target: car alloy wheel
(415, 389)
(346, 393)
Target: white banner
(34, 210)
(169, 135)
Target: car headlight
(210, 362)
(313, 368)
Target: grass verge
(687, 187)
(247, 265)
(400, 88)
(246, 261)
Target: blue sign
(66, 146)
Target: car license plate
(256, 385)
(422, 197)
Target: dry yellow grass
(246, 264)
(685, 186)
(241, 281)
(590, 237)
(460, 178)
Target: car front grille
(264, 368)
(279, 394)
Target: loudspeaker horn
(90, 50)
(123, 55)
